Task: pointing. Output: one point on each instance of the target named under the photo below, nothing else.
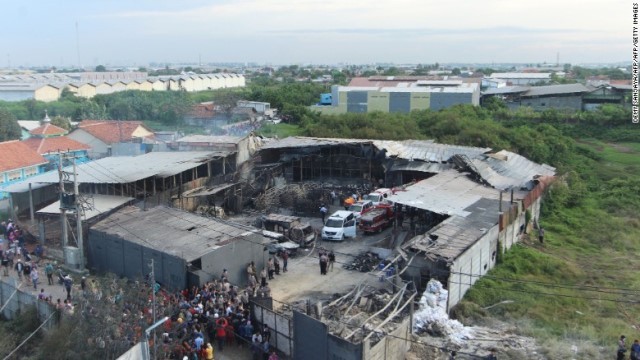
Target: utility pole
(76, 193)
(63, 210)
(153, 309)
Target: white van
(340, 225)
(378, 196)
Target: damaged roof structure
(479, 198)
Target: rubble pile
(211, 211)
(365, 311)
(365, 262)
(432, 316)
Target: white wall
(98, 148)
(475, 261)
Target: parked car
(340, 225)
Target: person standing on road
(67, 285)
(19, 269)
(324, 259)
(271, 268)
(48, 270)
(285, 260)
(5, 265)
(263, 277)
(323, 212)
(334, 196)
(332, 259)
(34, 278)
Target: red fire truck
(376, 219)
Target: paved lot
(303, 281)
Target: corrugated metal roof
(454, 235)
(506, 90)
(172, 231)
(555, 90)
(126, 169)
(100, 204)
(424, 150)
(449, 192)
(300, 142)
(505, 170)
(222, 139)
(512, 75)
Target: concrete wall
(420, 100)
(442, 100)
(378, 101)
(103, 88)
(357, 101)
(391, 347)
(400, 102)
(110, 253)
(475, 261)
(47, 93)
(16, 302)
(98, 148)
(235, 257)
(16, 95)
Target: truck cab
(378, 196)
(360, 208)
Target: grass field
(582, 284)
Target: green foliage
(100, 68)
(375, 125)
(62, 122)
(301, 94)
(280, 130)
(166, 107)
(9, 128)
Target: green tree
(101, 68)
(455, 71)
(62, 122)
(9, 128)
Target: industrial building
(48, 87)
(561, 97)
(465, 204)
(521, 78)
(403, 98)
(187, 249)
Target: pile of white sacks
(432, 315)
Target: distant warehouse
(369, 95)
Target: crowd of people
(215, 313)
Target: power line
(30, 336)
(551, 294)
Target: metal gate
(280, 326)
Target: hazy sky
(42, 32)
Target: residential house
(26, 126)
(50, 141)
(18, 162)
(101, 135)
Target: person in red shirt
(221, 332)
